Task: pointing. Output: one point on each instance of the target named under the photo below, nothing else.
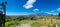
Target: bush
(49, 25)
(22, 18)
(54, 25)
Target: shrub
(54, 25)
(49, 25)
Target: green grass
(59, 25)
(12, 23)
(25, 21)
(35, 23)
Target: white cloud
(51, 12)
(29, 4)
(35, 10)
(48, 12)
(58, 9)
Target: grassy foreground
(44, 22)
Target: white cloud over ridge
(29, 4)
(51, 12)
(35, 10)
(48, 12)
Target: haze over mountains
(38, 14)
(44, 14)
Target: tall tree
(59, 14)
(3, 14)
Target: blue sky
(26, 7)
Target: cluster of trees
(9, 18)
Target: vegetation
(54, 25)
(13, 21)
(58, 24)
(59, 14)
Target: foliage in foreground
(14, 21)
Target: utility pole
(2, 13)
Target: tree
(2, 16)
(59, 14)
(20, 18)
(8, 18)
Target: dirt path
(25, 25)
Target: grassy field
(44, 22)
(41, 22)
